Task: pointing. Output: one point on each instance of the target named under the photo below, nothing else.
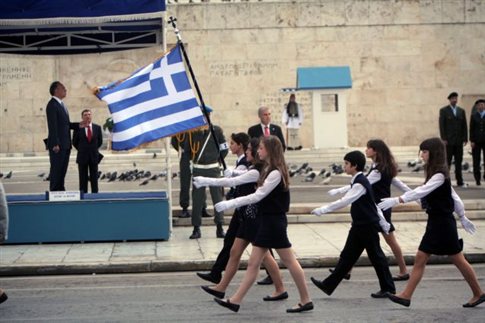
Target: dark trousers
(83, 177)
(199, 196)
(360, 238)
(185, 180)
(476, 151)
(457, 152)
(59, 162)
(223, 257)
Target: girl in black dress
(441, 235)
(247, 226)
(273, 198)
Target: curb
(204, 265)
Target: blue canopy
(69, 26)
(325, 77)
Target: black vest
(440, 201)
(244, 189)
(382, 188)
(276, 202)
(364, 210)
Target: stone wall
(405, 57)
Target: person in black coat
(477, 138)
(58, 141)
(87, 141)
(265, 128)
(454, 133)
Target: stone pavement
(315, 244)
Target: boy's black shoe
(210, 277)
(220, 232)
(321, 285)
(185, 214)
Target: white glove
(388, 203)
(385, 226)
(333, 192)
(467, 225)
(227, 172)
(224, 205)
(200, 181)
(319, 211)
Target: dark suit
(257, 131)
(59, 127)
(477, 136)
(454, 130)
(88, 157)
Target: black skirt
(272, 231)
(441, 236)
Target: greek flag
(156, 101)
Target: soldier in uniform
(205, 162)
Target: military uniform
(205, 162)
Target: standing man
(477, 138)
(265, 128)
(205, 162)
(292, 118)
(59, 138)
(454, 133)
(87, 141)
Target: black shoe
(401, 277)
(279, 297)
(478, 183)
(210, 277)
(213, 292)
(321, 285)
(196, 233)
(265, 281)
(301, 308)
(477, 302)
(205, 214)
(381, 294)
(185, 214)
(346, 277)
(3, 297)
(220, 232)
(299, 148)
(227, 303)
(289, 148)
(399, 300)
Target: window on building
(329, 102)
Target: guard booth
(329, 88)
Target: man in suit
(265, 128)
(477, 138)
(59, 138)
(454, 133)
(87, 141)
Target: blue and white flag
(156, 101)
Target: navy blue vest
(381, 188)
(364, 210)
(244, 189)
(277, 202)
(440, 201)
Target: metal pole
(172, 21)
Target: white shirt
(434, 182)
(270, 183)
(353, 193)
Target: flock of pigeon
(310, 174)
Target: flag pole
(172, 21)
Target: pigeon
(418, 168)
(147, 174)
(113, 176)
(412, 163)
(103, 176)
(154, 177)
(174, 175)
(310, 177)
(41, 175)
(465, 166)
(48, 178)
(322, 172)
(134, 164)
(145, 182)
(302, 167)
(154, 155)
(9, 175)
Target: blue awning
(70, 27)
(330, 77)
